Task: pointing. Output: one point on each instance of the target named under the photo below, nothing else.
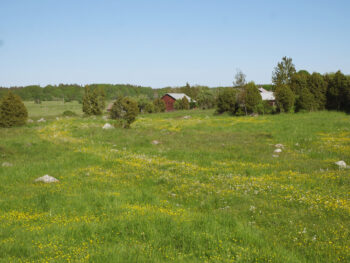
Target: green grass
(209, 192)
(49, 109)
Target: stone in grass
(187, 117)
(341, 164)
(41, 120)
(6, 164)
(30, 121)
(277, 150)
(155, 142)
(107, 126)
(275, 156)
(46, 179)
(279, 145)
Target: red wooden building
(170, 99)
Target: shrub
(306, 101)
(226, 101)
(159, 105)
(149, 108)
(12, 111)
(284, 98)
(125, 109)
(178, 105)
(93, 102)
(69, 113)
(185, 104)
(252, 97)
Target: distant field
(210, 191)
(51, 108)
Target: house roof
(179, 96)
(266, 95)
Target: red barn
(170, 99)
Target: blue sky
(169, 42)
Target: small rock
(187, 117)
(275, 156)
(155, 142)
(107, 126)
(341, 164)
(279, 145)
(41, 120)
(6, 164)
(277, 150)
(297, 144)
(30, 121)
(57, 118)
(46, 179)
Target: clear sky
(168, 42)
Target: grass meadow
(210, 191)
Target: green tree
(318, 88)
(159, 105)
(206, 100)
(283, 73)
(253, 97)
(337, 91)
(226, 101)
(93, 102)
(239, 81)
(12, 111)
(185, 104)
(284, 98)
(87, 105)
(125, 109)
(306, 101)
(149, 107)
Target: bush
(284, 98)
(226, 101)
(12, 111)
(266, 108)
(185, 103)
(69, 113)
(159, 105)
(149, 108)
(252, 97)
(306, 101)
(93, 102)
(125, 109)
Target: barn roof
(179, 96)
(266, 95)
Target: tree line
(294, 91)
(74, 92)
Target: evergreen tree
(185, 104)
(93, 102)
(12, 111)
(87, 107)
(124, 109)
(284, 98)
(226, 101)
(159, 105)
(253, 97)
(306, 101)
